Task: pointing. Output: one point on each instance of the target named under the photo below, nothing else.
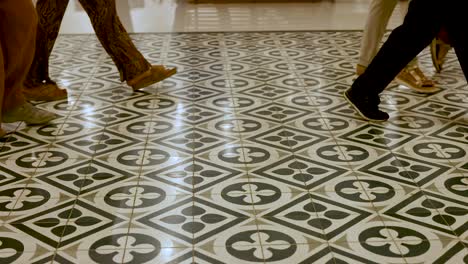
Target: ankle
(360, 69)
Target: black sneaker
(367, 108)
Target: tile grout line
(299, 78)
(225, 50)
(93, 156)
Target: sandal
(424, 81)
(45, 92)
(415, 79)
(155, 74)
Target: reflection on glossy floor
(183, 16)
(248, 155)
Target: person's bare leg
(380, 12)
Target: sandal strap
(411, 76)
(420, 78)
(418, 74)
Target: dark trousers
(109, 30)
(424, 20)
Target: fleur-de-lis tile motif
(29, 197)
(234, 102)
(10, 204)
(325, 123)
(395, 248)
(153, 104)
(149, 127)
(135, 196)
(394, 241)
(412, 122)
(74, 106)
(256, 193)
(439, 150)
(238, 125)
(263, 74)
(247, 245)
(125, 248)
(312, 101)
(343, 153)
(143, 157)
(60, 129)
(195, 75)
(42, 159)
(244, 155)
(269, 92)
(365, 190)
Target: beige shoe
(46, 92)
(415, 79)
(28, 113)
(155, 74)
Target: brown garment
(109, 30)
(17, 34)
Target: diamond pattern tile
(66, 223)
(276, 112)
(316, 216)
(385, 138)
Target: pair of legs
(424, 21)
(133, 67)
(17, 33)
(380, 12)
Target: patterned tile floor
(248, 155)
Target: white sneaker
(28, 113)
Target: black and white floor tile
(248, 155)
